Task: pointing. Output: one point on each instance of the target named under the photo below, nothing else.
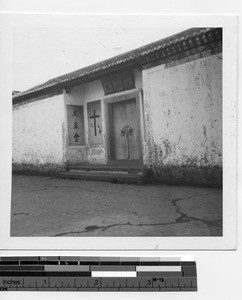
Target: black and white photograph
(118, 129)
(129, 145)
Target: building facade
(158, 106)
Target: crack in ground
(183, 218)
(21, 213)
(93, 228)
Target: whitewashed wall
(38, 133)
(183, 113)
(40, 130)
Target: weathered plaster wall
(81, 95)
(38, 135)
(183, 116)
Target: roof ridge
(118, 59)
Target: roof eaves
(115, 61)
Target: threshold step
(102, 172)
(104, 176)
(127, 168)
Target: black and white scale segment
(79, 273)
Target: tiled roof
(176, 43)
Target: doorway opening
(124, 132)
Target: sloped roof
(178, 42)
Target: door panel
(125, 133)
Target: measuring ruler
(79, 273)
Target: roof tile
(202, 35)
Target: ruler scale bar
(9, 263)
(95, 281)
(72, 263)
(46, 274)
(63, 273)
(112, 268)
(20, 268)
(114, 274)
(158, 268)
(159, 274)
(89, 258)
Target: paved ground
(44, 206)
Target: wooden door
(124, 130)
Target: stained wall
(183, 120)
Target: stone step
(115, 177)
(118, 168)
(112, 173)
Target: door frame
(137, 95)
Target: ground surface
(47, 206)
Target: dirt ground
(47, 206)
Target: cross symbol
(94, 119)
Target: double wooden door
(124, 130)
